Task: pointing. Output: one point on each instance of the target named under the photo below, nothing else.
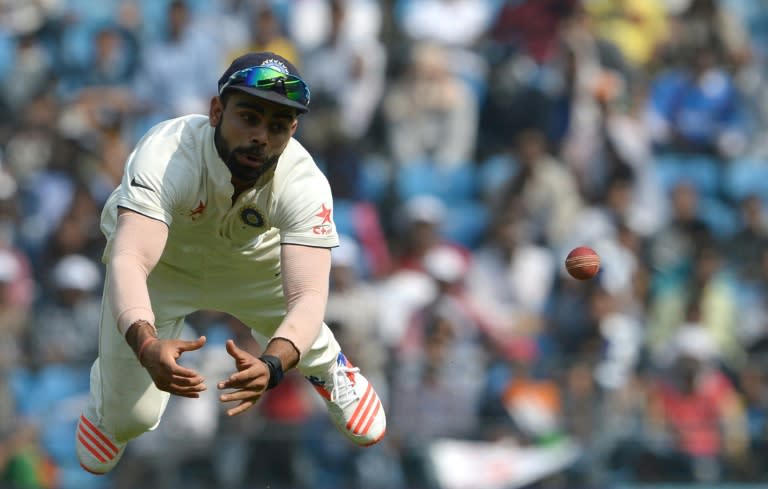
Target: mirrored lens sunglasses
(266, 78)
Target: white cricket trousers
(124, 401)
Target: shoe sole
(89, 437)
(372, 443)
(90, 471)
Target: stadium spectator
(183, 54)
(649, 145)
(266, 34)
(69, 313)
(701, 301)
(672, 247)
(546, 190)
(637, 27)
(32, 68)
(752, 383)
(511, 277)
(430, 113)
(309, 22)
(455, 23)
(695, 107)
(530, 28)
(361, 63)
(434, 394)
(699, 410)
(15, 308)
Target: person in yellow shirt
(267, 36)
(637, 27)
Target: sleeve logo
(326, 226)
(197, 211)
(136, 183)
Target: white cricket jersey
(176, 176)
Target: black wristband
(275, 367)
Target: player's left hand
(249, 382)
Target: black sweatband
(275, 367)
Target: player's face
(251, 133)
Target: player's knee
(142, 418)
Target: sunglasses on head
(266, 78)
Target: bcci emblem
(276, 64)
(252, 217)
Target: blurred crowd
(470, 144)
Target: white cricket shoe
(352, 402)
(97, 452)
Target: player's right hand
(160, 359)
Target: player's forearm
(305, 281)
(137, 246)
(127, 291)
(295, 335)
(302, 323)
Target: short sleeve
(160, 173)
(304, 208)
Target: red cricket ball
(582, 263)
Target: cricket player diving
(222, 212)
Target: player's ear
(215, 111)
(294, 125)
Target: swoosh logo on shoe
(135, 183)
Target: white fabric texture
(196, 249)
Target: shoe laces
(343, 391)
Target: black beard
(229, 157)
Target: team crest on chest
(252, 217)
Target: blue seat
(494, 173)
(72, 476)
(721, 217)
(746, 176)
(450, 184)
(282, 10)
(7, 55)
(56, 432)
(344, 217)
(476, 81)
(375, 179)
(703, 172)
(400, 10)
(36, 391)
(87, 11)
(466, 223)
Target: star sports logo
(324, 227)
(277, 65)
(197, 211)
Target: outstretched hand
(249, 382)
(160, 359)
